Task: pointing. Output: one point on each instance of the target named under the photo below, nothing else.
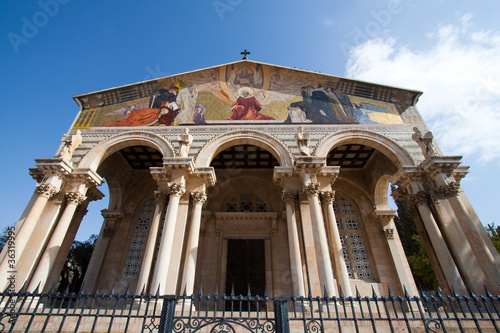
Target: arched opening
(122, 219)
(241, 232)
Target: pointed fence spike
(158, 290)
(249, 292)
(216, 293)
(22, 290)
(143, 289)
(293, 293)
(37, 287)
(309, 294)
(112, 289)
(232, 289)
(407, 295)
(341, 292)
(487, 292)
(358, 295)
(97, 290)
(454, 292)
(325, 292)
(390, 292)
(81, 289)
(439, 293)
(126, 290)
(52, 288)
(471, 292)
(374, 293)
(265, 290)
(201, 289)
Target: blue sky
(51, 50)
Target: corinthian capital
(46, 190)
(450, 190)
(177, 190)
(199, 197)
(75, 198)
(327, 196)
(419, 198)
(288, 196)
(160, 196)
(311, 190)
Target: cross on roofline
(245, 54)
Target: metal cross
(245, 54)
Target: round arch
(105, 148)
(397, 154)
(380, 195)
(204, 157)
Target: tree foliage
(76, 264)
(494, 233)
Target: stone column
(44, 191)
(443, 254)
(73, 199)
(386, 217)
(159, 279)
(150, 247)
(327, 199)
(193, 242)
(107, 231)
(483, 256)
(294, 244)
(321, 243)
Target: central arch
(260, 139)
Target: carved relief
(75, 198)
(199, 197)
(288, 197)
(327, 197)
(311, 190)
(177, 190)
(46, 190)
(419, 198)
(450, 190)
(389, 233)
(160, 197)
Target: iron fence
(115, 312)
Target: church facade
(250, 175)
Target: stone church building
(250, 175)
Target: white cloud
(328, 21)
(460, 77)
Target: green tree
(76, 264)
(494, 233)
(4, 236)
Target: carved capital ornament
(75, 198)
(199, 197)
(327, 197)
(288, 196)
(419, 198)
(450, 190)
(177, 190)
(46, 190)
(311, 190)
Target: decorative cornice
(327, 197)
(199, 197)
(177, 190)
(288, 197)
(54, 166)
(207, 173)
(311, 190)
(310, 164)
(178, 163)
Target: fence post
(281, 315)
(167, 316)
